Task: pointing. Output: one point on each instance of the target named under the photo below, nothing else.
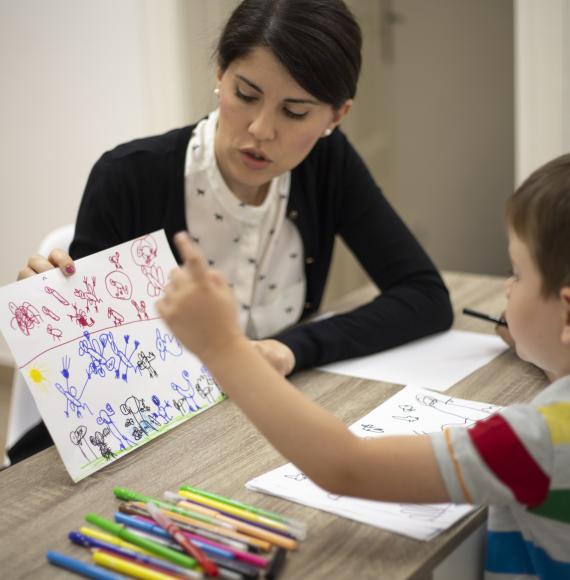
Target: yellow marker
(129, 568)
(96, 534)
(254, 518)
(275, 538)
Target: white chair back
(23, 412)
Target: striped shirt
(518, 463)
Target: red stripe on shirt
(507, 457)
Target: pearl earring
(327, 132)
(217, 92)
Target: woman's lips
(254, 159)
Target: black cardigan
(138, 187)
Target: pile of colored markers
(189, 534)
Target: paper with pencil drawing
(105, 372)
(436, 362)
(411, 411)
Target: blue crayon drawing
(107, 356)
(105, 417)
(73, 403)
(167, 344)
(186, 403)
(161, 413)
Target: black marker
(500, 321)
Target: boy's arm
(200, 309)
(401, 468)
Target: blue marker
(141, 525)
(88, 542)
(79, 567)
(155, 530)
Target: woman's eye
(244, 97)
(293, 115)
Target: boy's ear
(565, 300)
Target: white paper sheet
(436, 362)
(105, 372)
(410, 411)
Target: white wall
(79, 77)
(542, 83)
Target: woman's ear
(565, 301)
(340, 113)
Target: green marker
(121, 532)
(128, 495)
(237, 504)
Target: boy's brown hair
(539, 213)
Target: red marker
(167, 524)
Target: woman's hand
(37, 264)
(280, 356)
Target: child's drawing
(55, 294)
(50, 313)
(80, 317)
(118, 285)
(88, 294)
(410, 411)
(25, 316)
(119, 377)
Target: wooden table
(220, 451)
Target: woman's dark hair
(317, 41)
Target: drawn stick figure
(77, 437)
(144, 363)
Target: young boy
(517, 461)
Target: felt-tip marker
(488, 317)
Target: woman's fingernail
(70, 268)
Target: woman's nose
(262, 126)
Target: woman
(265, 183)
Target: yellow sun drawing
(38, 377)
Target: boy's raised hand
(198, 305)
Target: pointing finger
(191, 256)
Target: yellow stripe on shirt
(557, 417)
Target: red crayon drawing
(141, 309)
(56, 295)
(80, 317)
(114, 259)
(88, 294)
(119, 285)
(144, 251)
(117, 317)
(54, 332)
(25, 316)
(50, 313)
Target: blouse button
(310, 260)
(293, 214)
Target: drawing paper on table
(411, 411)
(105, 372)
(435, 362)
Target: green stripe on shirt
(556, 506)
